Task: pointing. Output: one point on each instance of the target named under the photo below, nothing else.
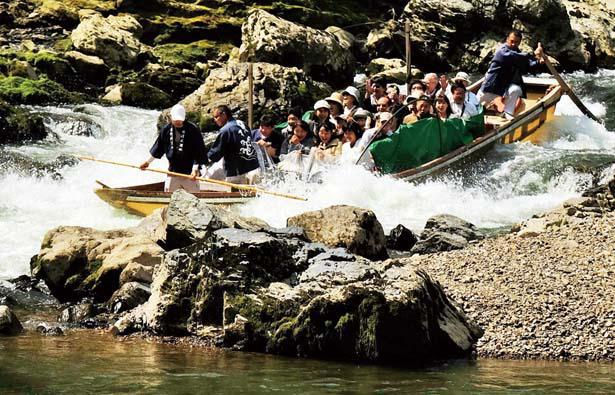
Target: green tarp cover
(423, 141)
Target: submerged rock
(9, 323)
(356, 229)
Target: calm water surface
(94, 362)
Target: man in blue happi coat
(504, 76)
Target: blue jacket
(234, 144)
(181, 156)
(507, 67)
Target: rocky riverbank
(200, 274)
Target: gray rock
(445, 233)
(266, 38)
(401, 239)
(77, 313)
(356, 229)
(276, 89)
(9, 323)
(190, 220)
(129, 296)
(92, 68)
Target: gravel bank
(551, 296)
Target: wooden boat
(542, 96)
(144, 199)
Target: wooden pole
(251, 95)
(568, 89)
(408, 58)
(209, 180)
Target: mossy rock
(139, 94)
(18, 125)
(187, 55)
(19, 90)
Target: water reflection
(85, 362)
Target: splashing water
(509, 184)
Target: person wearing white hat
(182, 144)
(322, 114)
(350, 98)
(463, 78)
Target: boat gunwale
(544, 103)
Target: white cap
(352, 91)
(322, 104)
(178, 113)
(384, 116)
(461, 76)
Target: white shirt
(465, 110)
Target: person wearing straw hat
(336, 105)
(182, 144)
(460, 78)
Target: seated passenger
(299, 142)
(464, 79)
(375, 88)
(410, 117)
(322, 114)
(294, 116)
(423, 107)
(350, 148)
(336, 105)
(383, 105)
(329, 146)
(393, 94)
(461, 107)
(350, 99)
(433, 85)
(268, 138)
(360, 117)
(443, 107)
(417, 88)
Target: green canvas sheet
(423, 141)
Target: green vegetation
(42, 91)
(187, 55)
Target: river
(509, 184)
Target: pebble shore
(550, 296)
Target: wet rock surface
(9, 323)
(356, 229)
(445, 232)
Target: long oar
(209, 180)
(568, 90)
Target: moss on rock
(21, 90)
(17, 125)
(187, 55)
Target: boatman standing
(234, 144)
(504, 76)
(183, 145)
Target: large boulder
(189, 220)
(276, 89)
(446, 232)
(76, 262)
(353, 228)
(266, 38)
(138, 94)
(247, 290)
(9, 323)
(91, 68)
(113, 39)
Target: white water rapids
(510, 184)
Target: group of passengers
(344, 124)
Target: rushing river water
(509, 184)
